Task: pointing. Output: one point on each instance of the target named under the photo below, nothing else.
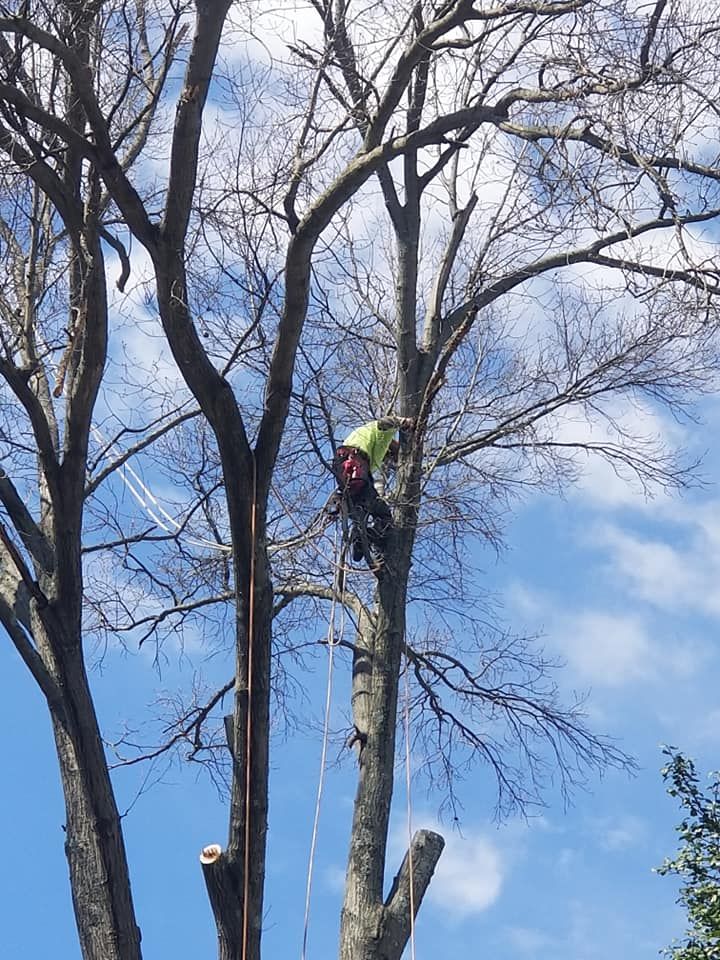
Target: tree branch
(136, 448)
(434, 316)
(402, 905)
(30, 655)
(17, 380)
(188, 120)
(44, 176)
(33, 538)
(102, 152)
(120, 250)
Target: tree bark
(225, 893)
(246, 511)
(372, 928)
(94, 845)
(45, 620)
(407, 892)
(240, 869)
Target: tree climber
(363, 453)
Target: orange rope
(248, 739)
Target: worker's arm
(396, 423)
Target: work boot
(358, 553)
(332, 507)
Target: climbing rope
(332, 640)
(156, 512)
(146, 499)
(248, 740)
(311, 543)
(408, 795)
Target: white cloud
(264, 33)
(681, 575)
(620, 833)
(615, 485)
(529, 940)
(470, 875)
(605, 649)
(567, 860)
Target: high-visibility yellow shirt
(372, 441)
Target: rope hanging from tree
(332, 640)
(408, 794)
(248, 741)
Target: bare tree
(410, 226)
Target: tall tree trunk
(94, 845)
(240, 869)
(238, 924)
(373, 927)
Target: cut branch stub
(224, 886)
(401, 909)
(210, 854)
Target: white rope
(248, 737)
(408, 795)
(176, 528)
(332, 642)
(125, 468)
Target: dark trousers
(374, 506)
(355, 482)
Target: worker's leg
(378, 509)
(355, 493)
(367, 505)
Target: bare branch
(31, 658)
(32, 537)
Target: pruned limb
(403, 901)
(224, 886)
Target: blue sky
(622, 589)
